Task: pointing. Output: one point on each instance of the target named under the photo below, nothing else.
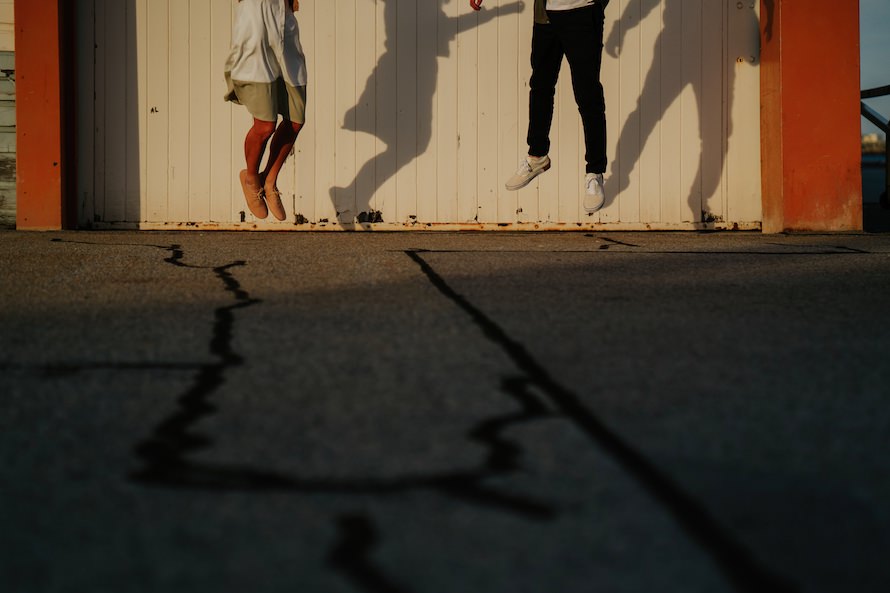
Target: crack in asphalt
(164, 451)
(736, 561)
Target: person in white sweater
(266, 72)
(574, 29)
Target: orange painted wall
(42, 162)
(810, 116)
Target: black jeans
(578, 35)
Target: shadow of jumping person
(664, 90)
(384, 124)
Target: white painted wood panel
(427, 114)
(7, 116)
(446, 136)
(649, 103)
(528, 206)
(417, 112)
(345, 110)
(305, 153)
(322, 91)
(157, 82)
(467, 117)
(7, 25)
(364, 173)
(201, 98)
(222, 205)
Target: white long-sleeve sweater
(266, 44)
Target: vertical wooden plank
(179, 111)
(387, 110)
(611, 79)
(690, 141)
(650, 113)
(381, 85)
(221, 138)
(508, 109)
(366, 105)
(325, 114)
(128, 133)
(570, 150)
(159, 114)
(710, 100)
(199, 109)
(122, 143)
(548, 183)
(240, 122)
(447, 113)
(743, 162)
(428, 97)
(528, 197)
(117, 133)
(467, 118)
(631, 75)
(119, 129)
(673, 193)
(489, 106)
(86, 103)
(508, 114)
(305, 151)
(345, 103)
(100, 112)
(406, 122)
(137, 168)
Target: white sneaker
(594, 195)
(529, 168)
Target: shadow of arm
(634, 13)
(465, 22)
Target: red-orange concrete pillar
(810, 120)
(44, 163)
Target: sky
(874, 19)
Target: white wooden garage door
(417, 113)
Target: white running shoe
(594, 195)
(529, 168)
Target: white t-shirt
(266, 44)
(568, 4)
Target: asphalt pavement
(444, 412)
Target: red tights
(283, 140)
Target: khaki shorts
(267, 100)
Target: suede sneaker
(253, 195)
(529, 168)
(594, 196)
(273, 203)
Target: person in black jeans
(574, 29)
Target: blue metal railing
(884, 125)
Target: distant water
(873, 177)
